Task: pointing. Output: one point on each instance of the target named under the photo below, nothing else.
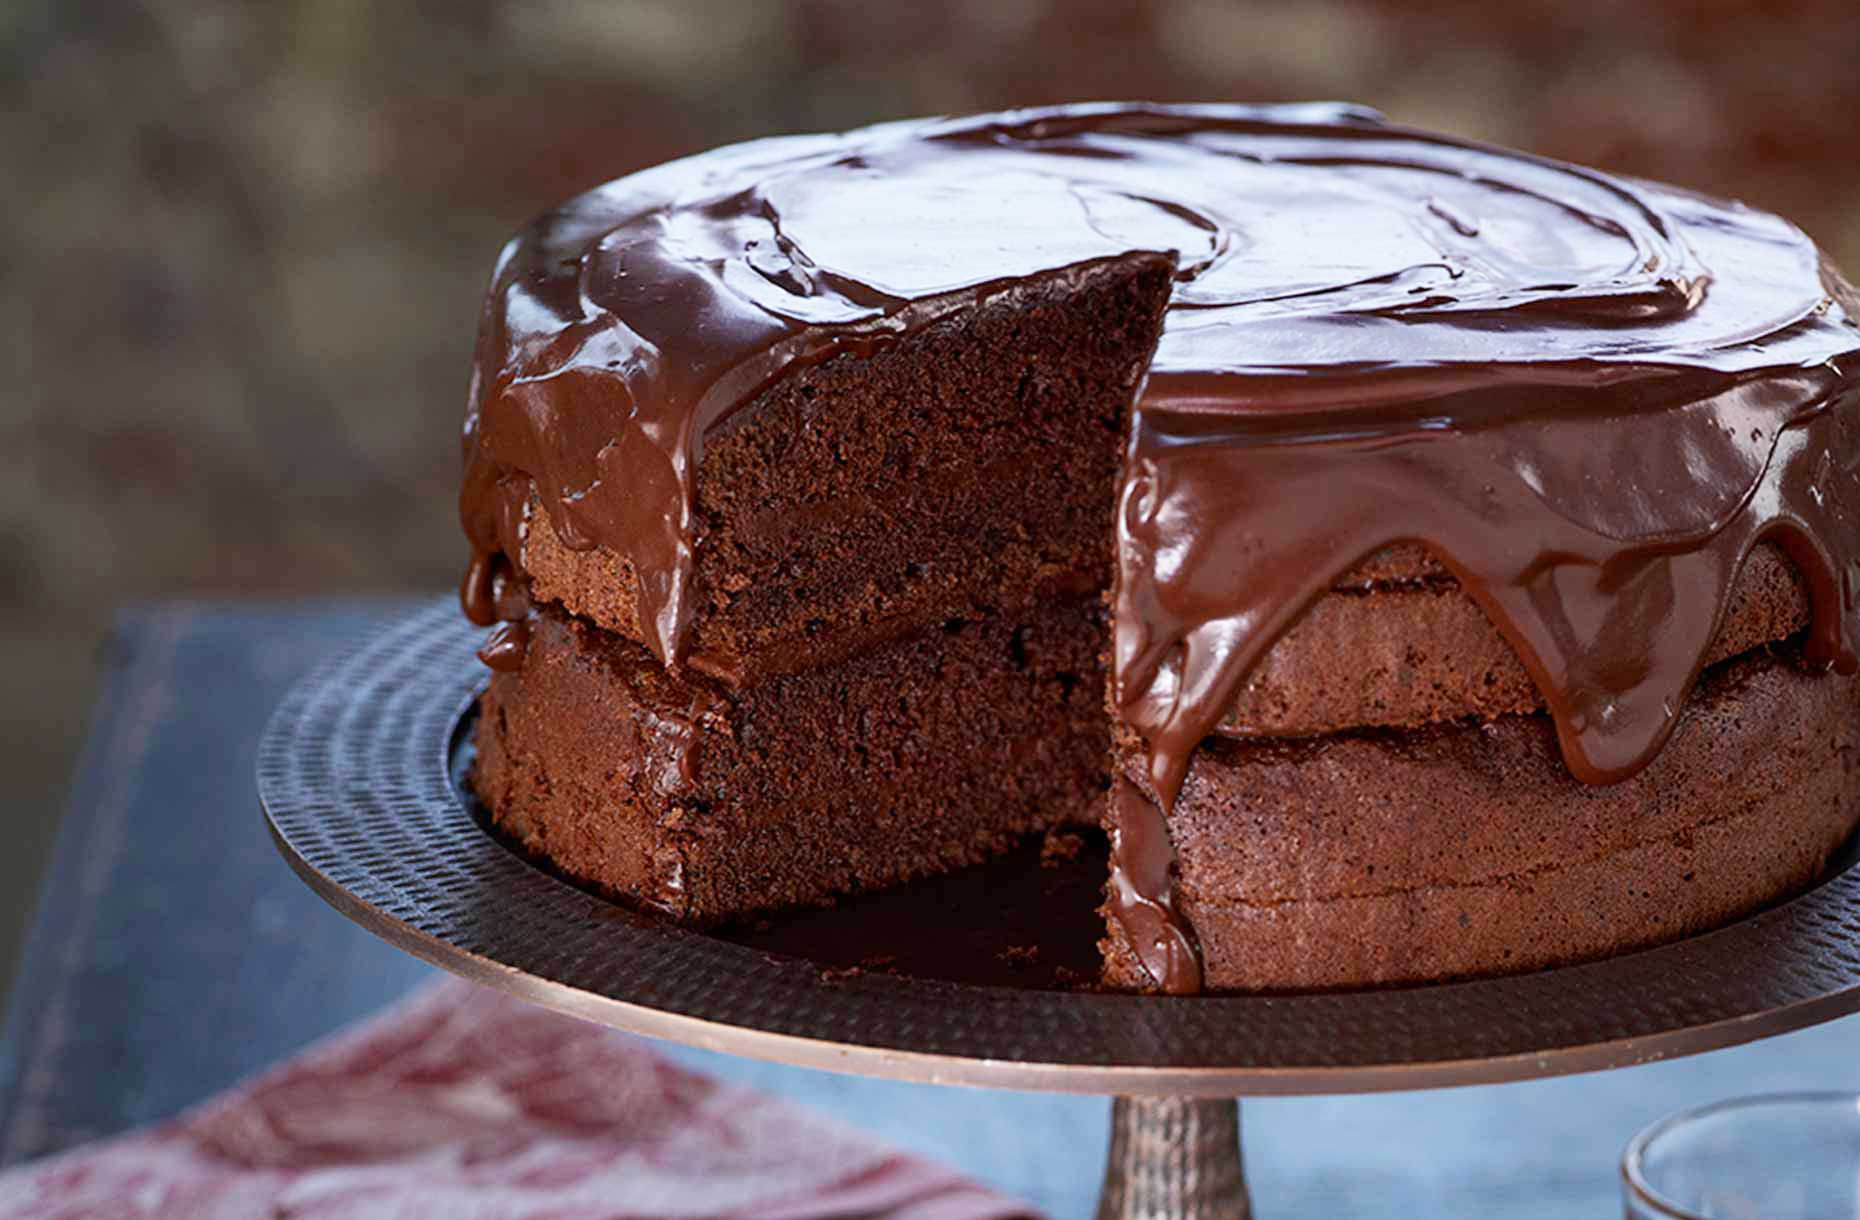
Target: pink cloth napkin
(462, 1104)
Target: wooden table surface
(173, 953)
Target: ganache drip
(1612, 604)
(493, 594)
(1588, 396)
(1142, 891)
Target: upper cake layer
(1590, 397)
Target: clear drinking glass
(1787, 1156)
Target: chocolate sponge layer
(969, 466)
(1382, 857)
(676, 793)
(1399, 644)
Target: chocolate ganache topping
(1589, 396)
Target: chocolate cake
(1425, 560)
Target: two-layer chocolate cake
(1425, 560)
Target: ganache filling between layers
(1588, 396)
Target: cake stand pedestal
(359, 775)
(1174, 1156)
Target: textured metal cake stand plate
(355, 777)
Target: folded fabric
(463, 1104)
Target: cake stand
(359, 777)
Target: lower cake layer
(1386, 857)
(676, 793)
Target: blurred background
(242, 245)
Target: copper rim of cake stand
(355, 778)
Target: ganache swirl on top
(1590, 396)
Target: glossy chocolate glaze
(1589, 396)
(1141, 890)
